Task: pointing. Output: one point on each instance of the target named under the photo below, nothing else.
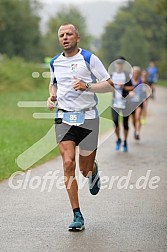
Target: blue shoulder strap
(86, 55)
(53, 59)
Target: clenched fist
(51, 102)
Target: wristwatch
(88, 86)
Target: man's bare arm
(102, 87)
(52, 90)
(52, 97)
(99, 87)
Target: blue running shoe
(78, 223)
(118, 144)
(125, 147)
(94, 181)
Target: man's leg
(86, 162)
(115, 117)
(87, 152)
(126, 130)
(89, 169)
(67, 150)
(126, 127)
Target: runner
(144, 79)
(136, 97)
(73, 84)
(152, 76)
(123, 85)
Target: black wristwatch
(88, 86)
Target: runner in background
(122, 85)
(144, 79)
(135, 98)
(152, 76)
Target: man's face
(119, 67)
(144, 75)
(136, 74)
(152, 64)
(68, 39)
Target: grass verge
(19, 130)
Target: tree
(138, 27)
(162, 8)
(162, 65)
(19, 29)
(134, 47)
(111, 38)
(152, 24)
(68, 15)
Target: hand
(50, 103)
(78, 84)
(121, 85)
(131, 93)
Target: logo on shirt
(73, 68)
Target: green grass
(19, 130)
(162, 83)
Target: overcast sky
(79, 1)
(96, 12)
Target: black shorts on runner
(85, 136)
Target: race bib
(119, 103)
(74, 118)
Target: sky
(96, 12)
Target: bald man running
(74, 75)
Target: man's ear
(78, 39)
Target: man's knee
(69, 166)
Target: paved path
(117, 220)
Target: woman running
(144, 79)
(136, 96)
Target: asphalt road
(117, 220)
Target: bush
(16, 74)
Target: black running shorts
(85, 135)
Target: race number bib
(119, 103)
(74, 118)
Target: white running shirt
(118, 78)
(84, 66)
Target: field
(19, 130)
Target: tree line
(138, 32)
